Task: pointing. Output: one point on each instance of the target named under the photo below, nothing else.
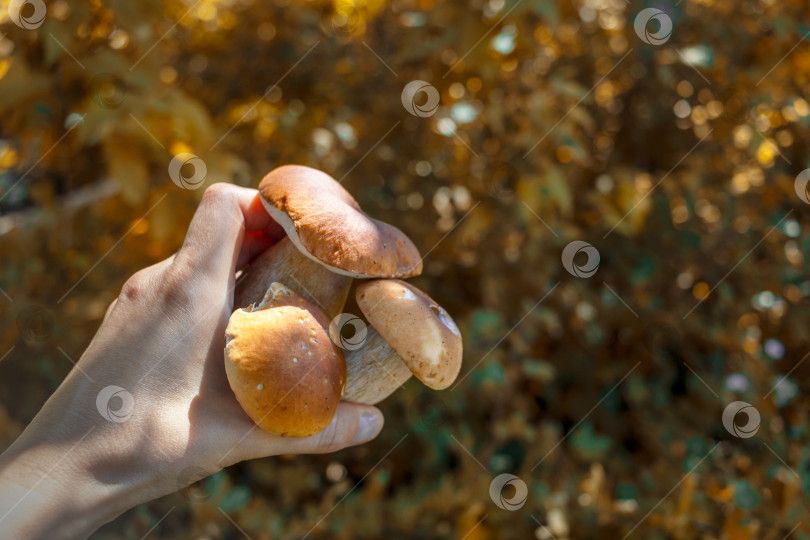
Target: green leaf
(236, 499)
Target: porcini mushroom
(282, 366)
(335, 241)
(410, 334)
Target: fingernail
(370, 424)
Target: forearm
(54, 484)
(50, 490)
(43, 494)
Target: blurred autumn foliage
(557, 122)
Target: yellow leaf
(127, 166)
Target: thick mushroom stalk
(414, 335)
(329, 241)
(284, 263)
(374, 371)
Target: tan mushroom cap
(282, 366)
(325, 222)
(417, 328)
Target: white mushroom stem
(284, 263)
(374, 371)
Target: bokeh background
(675, 157)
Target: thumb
(352, 424)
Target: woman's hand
(149, 398)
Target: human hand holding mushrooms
(85, 458)
(283, 356)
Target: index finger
(216, 239)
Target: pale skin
(72, 470)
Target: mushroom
(410, 334)
(282, 366)
(329, 241)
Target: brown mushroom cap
(325, 222)
(417, 328)
(282, 366)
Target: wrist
(51, 491)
